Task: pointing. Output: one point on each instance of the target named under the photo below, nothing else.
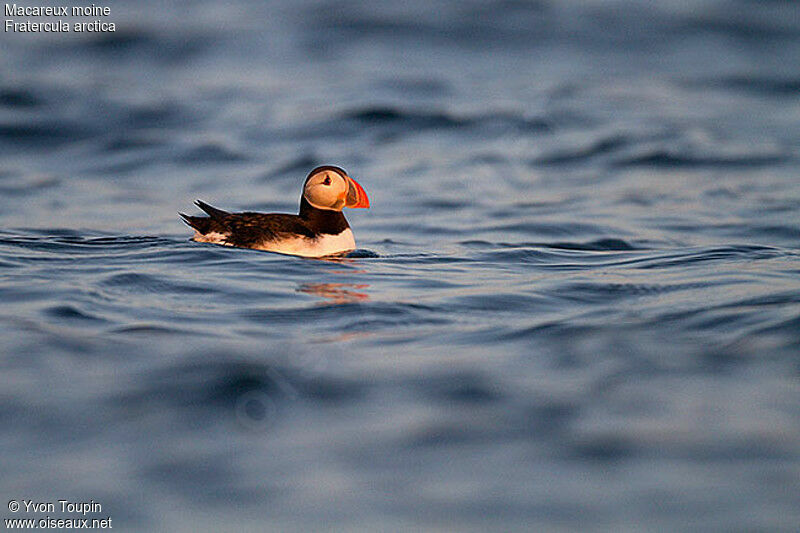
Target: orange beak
(356, 195)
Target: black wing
(252, 229)
(247, 229)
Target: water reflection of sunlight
(336, 293)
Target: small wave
(755, 84)
(126, 241)
(151, 329)
(156, 115)
(460, 388)
(705, 255)
(606, 292)
(500, 302)
(761, 29)
(598, 245)
(43, 133)
(138, 283)
(120, 40)
(477, 243)
(385, 115)
(788, 232)
(523, 255)
(668, 158)
(19, 98)
(212, 153)
(600, 147)
(13, 183)
(352, 315)
(63, 245)
(551, 229)
(166, 47)
(131, 142)
(421, 86)
(442, 203)
(789, 327)
(362, 253)
(7, 264)
(420, 120)
(70, 312)
(220, 380)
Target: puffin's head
(330, 187)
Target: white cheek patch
(327, 196)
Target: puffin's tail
(201, 224)
(213, 212)
(213, 222)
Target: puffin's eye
(326, 181)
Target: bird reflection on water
(336, 293)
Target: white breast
(319, 247)
(302, 246)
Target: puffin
(318, 230)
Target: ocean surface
(575, 303)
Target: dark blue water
(575, 304)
